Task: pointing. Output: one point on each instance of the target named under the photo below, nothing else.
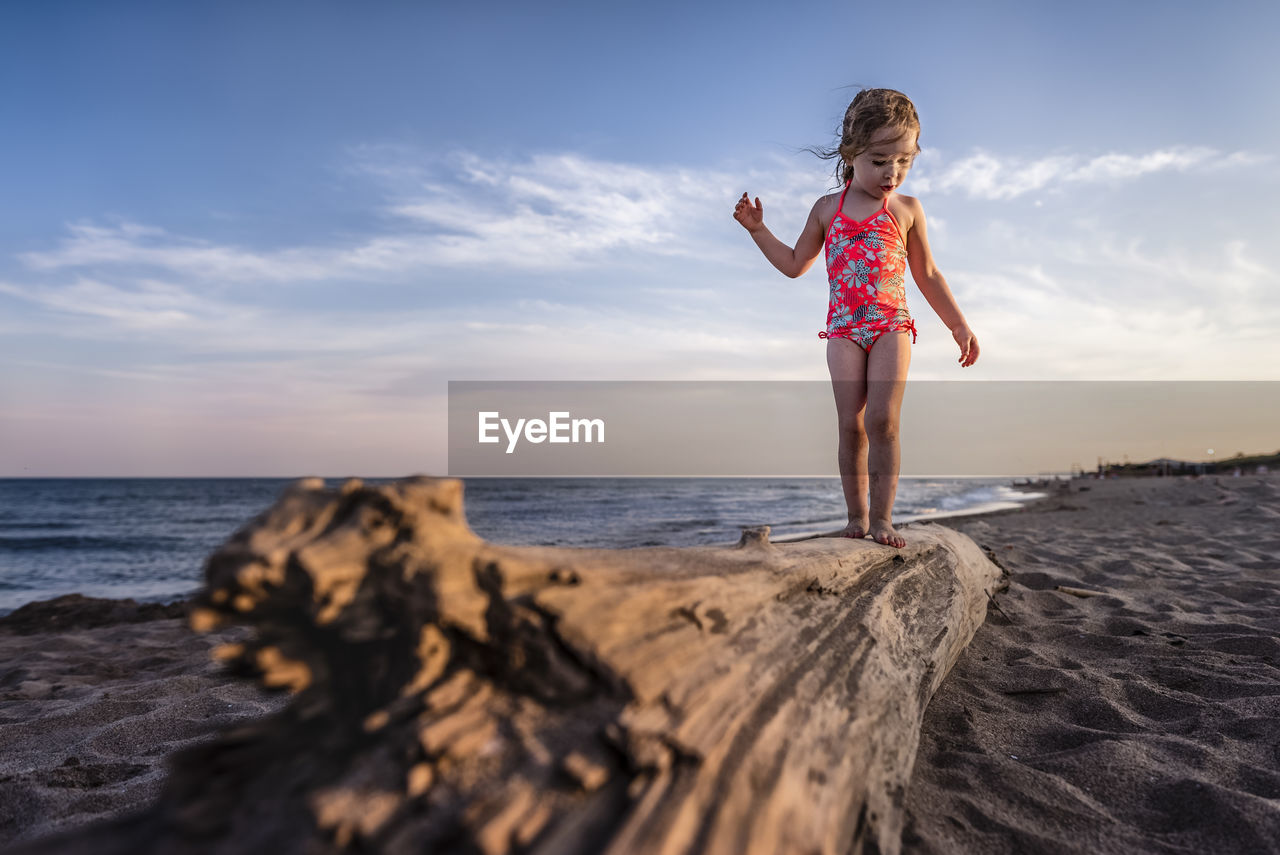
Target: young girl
(871, 234)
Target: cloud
(152, 306)
(552, 211)
(1081, 302)
(133, 244)
(565, 212)
(987, 176)
(556, 213)
(544, 213)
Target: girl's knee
(852, 430)
(882, 428)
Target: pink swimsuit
(866, 263)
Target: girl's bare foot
(883, 532)
(856, 529)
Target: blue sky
(259, 238)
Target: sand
(1145, 718)
(88, 714)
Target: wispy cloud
(150, 306)
(88, 246)
(547, 212)
(557, 212)
(987, 176)
(1076, 305)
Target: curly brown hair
(870, 111)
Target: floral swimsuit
(866, 263)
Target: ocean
(147, 538)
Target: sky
(244, 239)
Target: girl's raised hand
(751, 216)
(968, 345)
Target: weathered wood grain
(452, 695)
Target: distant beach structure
(1258, 464)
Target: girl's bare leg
(887, 365)
(848, 365)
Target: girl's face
(883, 167)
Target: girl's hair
(871, 110)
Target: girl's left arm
(934, 287)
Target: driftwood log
(452, 695)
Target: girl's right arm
(791, 262)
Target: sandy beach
(1137, 714)
(90, 709)
(1143, 719)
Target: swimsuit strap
(840, 204)
(839, 208)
